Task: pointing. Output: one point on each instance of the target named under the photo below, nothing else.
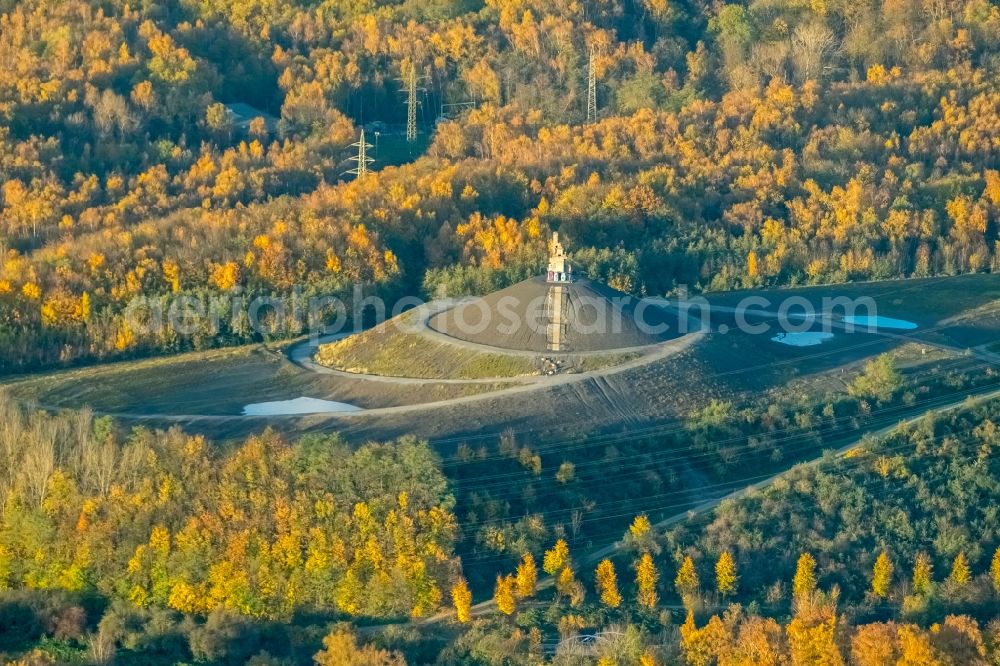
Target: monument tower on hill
(560, 269)
(557, 299)
(559, 312)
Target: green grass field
(387, 351)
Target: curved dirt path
(424, 328)
(661, 351)
(300, 355)
(657, 353)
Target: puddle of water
(881, 322)
(298, 406)
(804, 339)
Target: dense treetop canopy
(735, 145)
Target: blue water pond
(880, 322)
(298, 406)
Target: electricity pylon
(411, 106)
(411, 102)
(362, 159)
(591, 90)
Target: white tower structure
(560, 269)
(560, 273)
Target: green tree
(642, 91)
(879, 380)
(734, 26)
(922, 574)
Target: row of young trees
(814, 632)
(523, 584)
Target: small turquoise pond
(803, 339)
(298, 406)
(880, 322)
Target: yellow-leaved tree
(960, 573)
(527, 576)
(804, 583)
(461, 596)
(341, 649)
(686, 581)
(725, 574)
(641, 537)
(646, 578)
(607, 584)
(995, 570)
(503, 595)
(814, 643)
(922, 572)
(556, 558)
(882, 575)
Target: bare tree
(39, 461)
(111, 112)
(98, 456)
(12, 445)
(102, 646)
(576, 522)
(133, 457)
(33, 444)
(813, 47)
(770, 60)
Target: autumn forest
(733, 146)
(153, 149)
